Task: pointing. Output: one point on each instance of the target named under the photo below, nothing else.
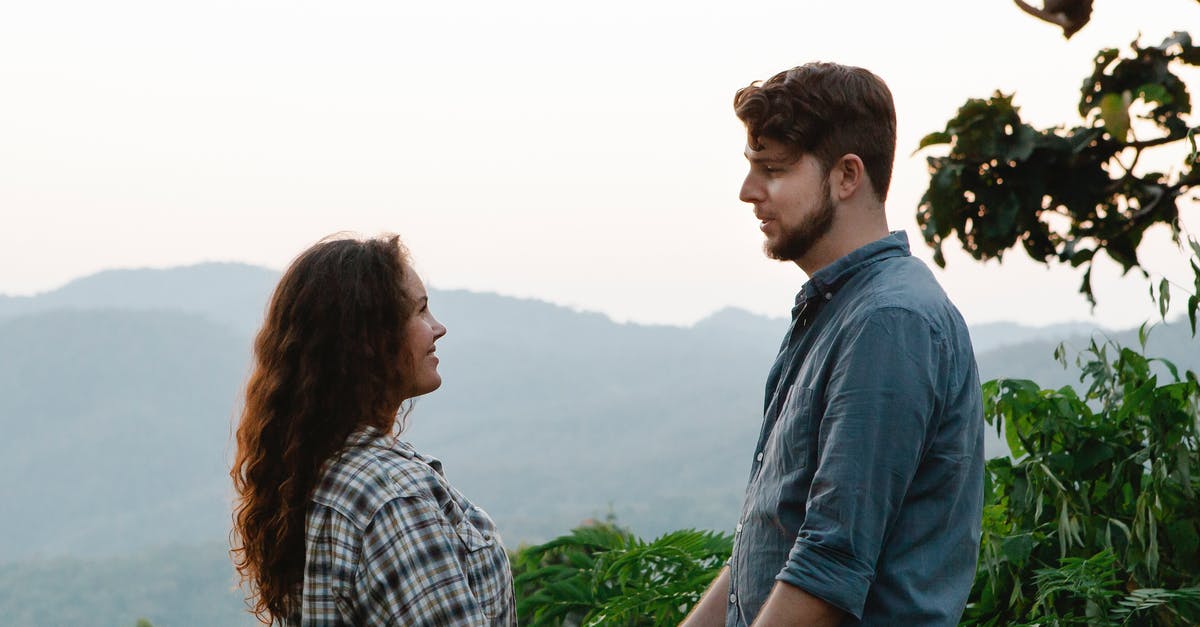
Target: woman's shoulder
(372, 471)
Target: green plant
(602, 574)
(1068, 194)
(1095, 519)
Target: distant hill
(1035, 359)
(174, 586)
(234, 294)
(993, 335)
(122, 416)
(116, 426)
(118, 391)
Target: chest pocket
(789, 448)
(485, 562)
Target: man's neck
(840, 241)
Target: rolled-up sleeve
(880, 398)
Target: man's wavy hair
(329, 359)
(826, 110)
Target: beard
(795, 242)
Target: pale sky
(580, 153)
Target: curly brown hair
(826, 110)
(330, 358)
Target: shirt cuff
(828, 574)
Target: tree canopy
(1066, 194)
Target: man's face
(791, 199)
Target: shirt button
(828, 295)
(732, 598)
(758, 457)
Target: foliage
(1095, 519)
(1071, 15)
(602, 574)
(1068, 194)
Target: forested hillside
(118, 405)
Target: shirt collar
(824, 282)
(368, 435)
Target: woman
(337, 522)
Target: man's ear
(847, 176)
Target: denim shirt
(866, 486)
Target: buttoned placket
(801, 318)
(802, 315)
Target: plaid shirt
(388, 541)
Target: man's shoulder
(903, 288)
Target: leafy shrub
(1093, 520)
(1095, 517)
(602, 574)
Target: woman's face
(421, 332)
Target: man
(866, 487)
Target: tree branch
(1150, 143)
(1071, 15)
(1058, 19)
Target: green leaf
(1082, 256)
(1164, 298)
(1114, 110)
(1016, 549)
(1060, 354)
(1193, 306)
(1154, 92)
(1081, 139)
(1024, 142)
(1091, 454)
(1085, 286)
(933, 139)
(1183, 537)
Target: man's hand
(710, 611)
(789, 605)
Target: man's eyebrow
(761, 158)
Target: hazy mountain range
(118, 393)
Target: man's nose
(751, 191)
